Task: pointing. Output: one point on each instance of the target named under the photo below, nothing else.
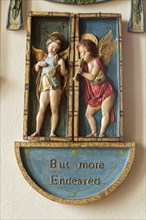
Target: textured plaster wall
(18, 199)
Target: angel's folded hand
(61, 62)
(42, 63)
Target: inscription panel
(75, 173)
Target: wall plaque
(136, 22)
(84, 158)
(14, 18)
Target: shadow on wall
(132, 78)
(26, 8)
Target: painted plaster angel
(99, 92)
(50, 67)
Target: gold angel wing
(64, 54)
(39, 54)
(107, 48)
(107, 52)
(105, 40)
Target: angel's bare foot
(102, 135)
(52, 135)
(92, 135)
(35, 134)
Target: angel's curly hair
(56, 37)
(90, 45)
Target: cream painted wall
(18, 199)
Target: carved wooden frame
(31, 15)
(76, 84)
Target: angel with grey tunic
(50, 68)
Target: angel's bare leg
(106, 107)
(55, 96)
(90, 111)
(44, 101)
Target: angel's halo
(89, 36)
